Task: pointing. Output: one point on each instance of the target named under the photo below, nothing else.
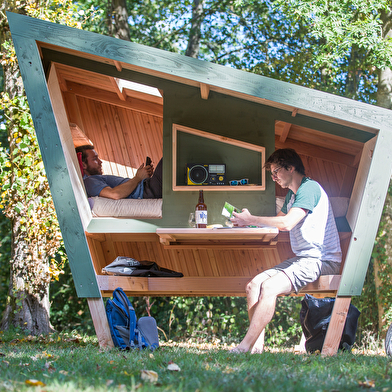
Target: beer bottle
(201, 212)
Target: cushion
(339, 206)
(126, 208)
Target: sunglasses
(244, 181)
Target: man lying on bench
(307, 215)
(146, 184)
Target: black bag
(130, 267)
(315, 316)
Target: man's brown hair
(83, 150)
(286, 157)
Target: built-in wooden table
(221, 236)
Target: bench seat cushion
(126, 208)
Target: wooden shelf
(218, 236)
(243, 188)
(259, 183)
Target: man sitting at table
(146, 184)
(314, 239)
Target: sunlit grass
(69, 362)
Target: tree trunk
(384, 91)
(25, 310)
(193, 47)
(353, 71)
(28, 296)
(118, 22)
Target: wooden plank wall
(192, 262)
(122, 137)
(206, 262)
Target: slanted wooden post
(100, 321)
(336, 325)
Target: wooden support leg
(336, 325)
(100, 321)
(300, 348)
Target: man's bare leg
(263, 311)
(258, 347)
(253, 290)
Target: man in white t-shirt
(314, 239)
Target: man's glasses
(274, 174)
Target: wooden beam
(285, 132)
(317, 108)
(78, 136)
(118, 65)
(204, 90)
(201, 285)
(319, 138)
(103, 82)
(336, 325)
(112, 99)
(100, 321)
(314, 151)
(118, 88)
(72, 108)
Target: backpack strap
(123, 301)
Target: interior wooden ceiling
(110, 90)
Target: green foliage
(223, 319)
(314, 46)
(5, 252)
(382, 255)
(25, 195)
(367, 305)
(285, 330)
(344, 24)
(61, 11)
(201, 319)
(67, 311)
(351, 43)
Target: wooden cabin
(131, 101)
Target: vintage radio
(205, 174)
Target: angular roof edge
(186, 69)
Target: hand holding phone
(148, 161)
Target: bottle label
(201, 217)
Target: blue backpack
(128, 332)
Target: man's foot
(257, 350)
(238, 350)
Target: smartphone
(148, 161)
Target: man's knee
(254, 285)
(252, 288)
(276, 285)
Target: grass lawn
(64, 363)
